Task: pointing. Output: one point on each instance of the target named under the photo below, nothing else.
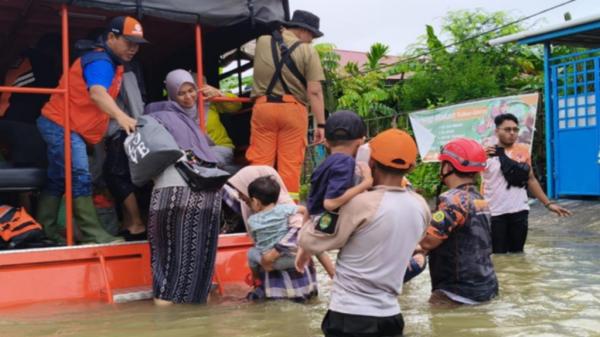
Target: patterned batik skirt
(287, 284)
(183, 229)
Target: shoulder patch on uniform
(325, 221)
(438, 216)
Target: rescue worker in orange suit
(287, 79)
(95, 81)
(37, 67)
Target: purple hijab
(174, 118)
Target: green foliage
(365, 90)
(438, 53)
(329, 59)
(366, 94)
(330, 62)
(375, 55)
(425, 179)
(361, 89)
(470, 68)
(230, 83)
(351, 68)
(435, 75)
(303, 193)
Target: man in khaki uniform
(287, 78)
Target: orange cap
(394, 148)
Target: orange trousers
(278, 138)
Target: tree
(364, 90)
(470, 67)
(377, 52)
(451, 66)
(330, 62)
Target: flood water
(551, 290)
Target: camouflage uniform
(462, 263)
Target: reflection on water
(552, 290)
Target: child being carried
(270, 223)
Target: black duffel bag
(200, 175)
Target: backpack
(18, 228)
(515, 173)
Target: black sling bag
(515, 173)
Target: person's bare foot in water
(162, 303)
(419, 259)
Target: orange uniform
(280, 129)
(86, 118)
(280, 117)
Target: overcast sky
(356, 25)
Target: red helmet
(465, 154)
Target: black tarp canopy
(219, 13)
(226, 25)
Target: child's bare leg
(254, 257)
(284, 262)
(255, 274)
(327, 264)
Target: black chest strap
(286, 60)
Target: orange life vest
(17, 227)
(17, 76)
(87, 119)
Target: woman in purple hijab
(183, 225)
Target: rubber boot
(86, 218)
(47, 216)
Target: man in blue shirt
(95, 81)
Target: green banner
(434, 128)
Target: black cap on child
(345, 125)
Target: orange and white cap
(128, 27)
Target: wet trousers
(336, 324)
(509, 232)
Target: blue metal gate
(575, 85)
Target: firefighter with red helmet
(459, 238)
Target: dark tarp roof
(219, 13)
(226, 25)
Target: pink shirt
(502, 200)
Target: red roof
(360, 59)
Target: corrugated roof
(569, 32)
(360, 58)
